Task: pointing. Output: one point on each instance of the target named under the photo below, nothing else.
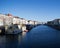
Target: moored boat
(13, 30)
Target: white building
(26, 21)
(1, 19)
(16, 20)
(56, 22)
(23, 21)
(59, 21)
(30, 22)
(5, 19)
(8, 19)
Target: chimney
(9, 14)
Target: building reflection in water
(2, 41)
(13, 41)
(23, 34)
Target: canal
(39, 37)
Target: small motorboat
(13, 29)
(29, 27)
(24, 28)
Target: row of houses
(54, 22)
(9, 19)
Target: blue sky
(39, 10)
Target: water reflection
(2, 41)
(39, 37)
(12, 41)
(23, 34)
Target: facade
(1, 19)
(5, 19)
(56, 21)
(20, 21)
(23, 21)
(50, 23)
(16, 20)
(30, 22)
(35, 22)
(8, 20)
(59, 21)
(26, 22)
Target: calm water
(39, 37)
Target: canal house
(24, 21)
(36, 23)
(1, 19)
(56, 22)
(7, 20)
(16, 20)
(50, 23)
(23, 24)
(31, 22)
(2, 28)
